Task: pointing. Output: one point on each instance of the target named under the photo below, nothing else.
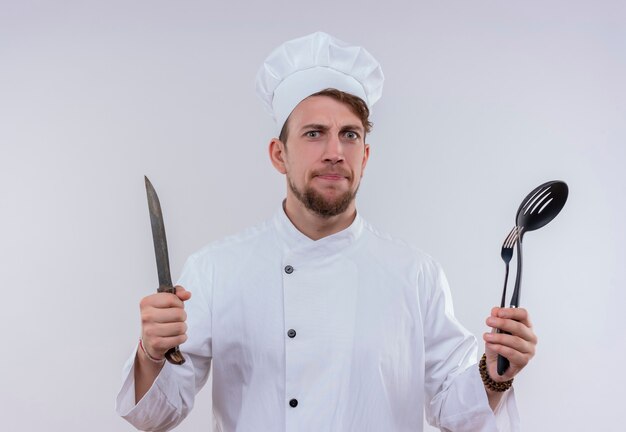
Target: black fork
(507, 255)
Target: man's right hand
(163, 321)
(162, 327)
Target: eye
(351, 135)
(312, 134)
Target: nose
(333, 151)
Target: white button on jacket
(353, 332)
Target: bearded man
(314, 320)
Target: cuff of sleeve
(507, 416)
(159, 398)
(468, 403)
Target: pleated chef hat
(303, 66)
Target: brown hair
(354, 103)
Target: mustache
(332, 171)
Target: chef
(314, 320)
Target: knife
(173, 355)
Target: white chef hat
(303, 66)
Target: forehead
(322, 110)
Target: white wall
(484, 100)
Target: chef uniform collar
(295, 242)
(306, 65)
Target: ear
(277, 155)
(366, 156)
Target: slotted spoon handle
(518, 276)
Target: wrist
(490, 384)
(146, 354)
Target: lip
(331, 177)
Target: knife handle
(173, 355)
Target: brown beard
(318, 204)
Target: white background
(483, 101)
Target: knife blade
(173, 355)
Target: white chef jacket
(352, 332)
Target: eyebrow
(354, 127)
(315, 126)
(322, 127)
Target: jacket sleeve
(456, 399)
(171, 397)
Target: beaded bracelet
(152, 359)
(489, 383)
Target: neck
(313, 225)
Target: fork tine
(511, 238)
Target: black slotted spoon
(538, 208)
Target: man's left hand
(518, 346)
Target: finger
(521, 345)
(165, 330)
(517, 358)
(158, 315)
(153, 333)
(182, 293)
(513, 327)
(161, 300)
(517, 314)
(161, 345)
